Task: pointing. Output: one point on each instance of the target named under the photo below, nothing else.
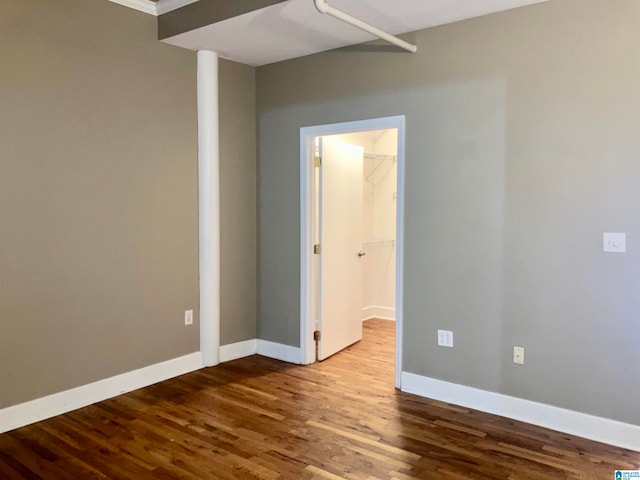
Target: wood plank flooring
(258, 418)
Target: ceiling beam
(200, 14)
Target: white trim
(209, 206)
(154, 8)
(400, 249)
(237, 350)
(278, 351)
(307, 306)
(46, 407)
(286, 353)
(595, 428)
(378, 311)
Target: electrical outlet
(518, 355)
(188, 317)
(445, 338)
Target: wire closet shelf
(383, 158)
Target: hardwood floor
(258, 418)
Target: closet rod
(379, 155)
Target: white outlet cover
(188, 317)
(614, 242)
(445, 338)
(518, 355)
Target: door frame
(307, 281)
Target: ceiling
(154, 7)
(295, 28)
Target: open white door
(340, 319)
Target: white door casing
(340, 229)
(308, 307)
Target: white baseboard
(46, 407)
(234, 351)
(377, 311)
(286, 353)
(265, 348)
(575, 423)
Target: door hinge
(317, 249)
(317, 161)
(317, 336)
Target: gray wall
(522, 149)
(98, 195)
(238, 288)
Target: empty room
(319, 239)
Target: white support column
(209, 207)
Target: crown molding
(154, 8)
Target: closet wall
(379, 235)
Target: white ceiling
(295, 28)
(154, 7)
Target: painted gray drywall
(522, 149)
(238, 284)
(98, 196)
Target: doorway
(359, 185)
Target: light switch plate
(614, 242)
